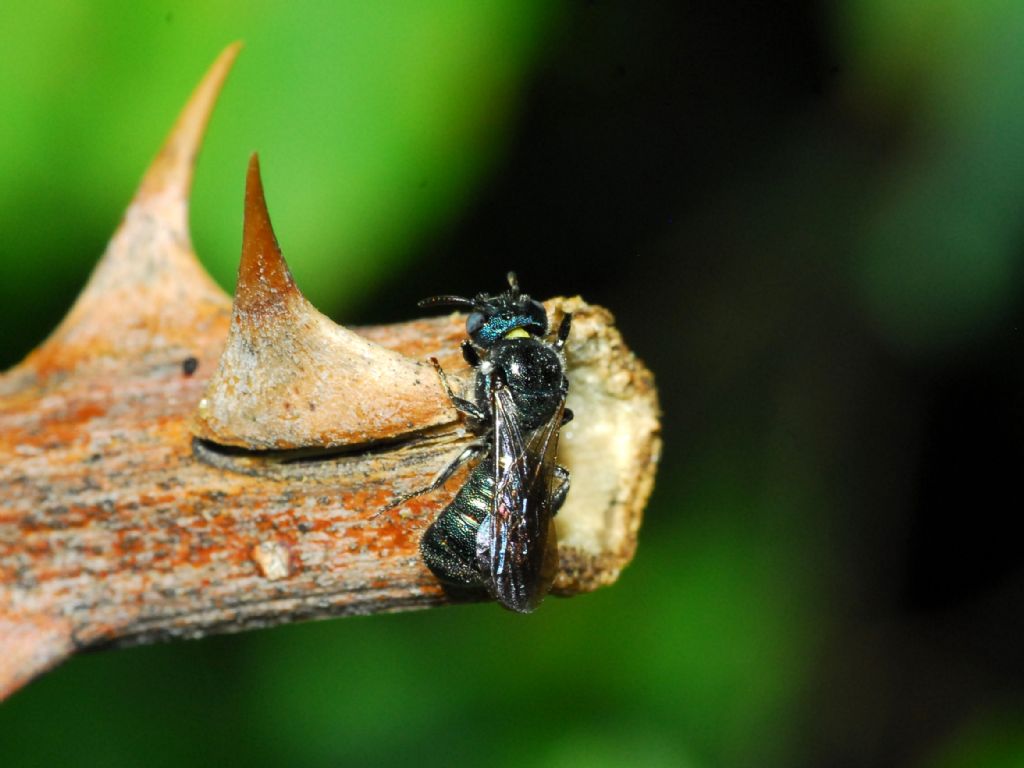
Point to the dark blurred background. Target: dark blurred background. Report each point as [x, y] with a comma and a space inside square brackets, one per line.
[807, 218]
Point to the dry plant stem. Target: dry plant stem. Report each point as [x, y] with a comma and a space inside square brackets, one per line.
[118, 525]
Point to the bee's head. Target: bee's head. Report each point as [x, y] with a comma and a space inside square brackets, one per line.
[508, 315]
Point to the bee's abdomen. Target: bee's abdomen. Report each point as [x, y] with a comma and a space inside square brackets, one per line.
[449, 544]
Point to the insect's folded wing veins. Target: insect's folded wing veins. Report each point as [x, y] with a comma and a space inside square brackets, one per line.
[511, 550]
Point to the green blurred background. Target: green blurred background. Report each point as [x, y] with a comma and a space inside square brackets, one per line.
[807, 218]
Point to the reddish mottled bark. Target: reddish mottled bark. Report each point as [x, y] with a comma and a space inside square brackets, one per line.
[117, 525]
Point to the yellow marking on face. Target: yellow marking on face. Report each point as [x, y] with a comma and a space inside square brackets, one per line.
[517, 333]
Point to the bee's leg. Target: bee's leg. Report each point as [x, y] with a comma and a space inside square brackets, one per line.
[469, 453]
[469, 354]
[470, 409]
[567, 416]
[561, 489]
[563, 330]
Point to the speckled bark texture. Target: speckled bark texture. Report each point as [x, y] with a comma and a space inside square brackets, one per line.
[154, 486]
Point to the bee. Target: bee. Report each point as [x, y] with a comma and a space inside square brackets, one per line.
[498, 533]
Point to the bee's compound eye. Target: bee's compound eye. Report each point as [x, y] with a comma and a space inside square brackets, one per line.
[474, 323]
[538, 315]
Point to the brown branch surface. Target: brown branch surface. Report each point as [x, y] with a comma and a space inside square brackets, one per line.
[118, 525]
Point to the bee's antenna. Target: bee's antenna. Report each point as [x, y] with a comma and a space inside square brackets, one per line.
[451, 301]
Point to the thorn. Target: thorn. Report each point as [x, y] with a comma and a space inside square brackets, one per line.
[148, 295]
[170, 174]
[263, 275]
[289, 377]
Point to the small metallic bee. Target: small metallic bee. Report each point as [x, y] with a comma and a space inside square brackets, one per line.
[498, 532]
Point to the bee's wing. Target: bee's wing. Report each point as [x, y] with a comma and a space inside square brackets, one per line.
[516, 543]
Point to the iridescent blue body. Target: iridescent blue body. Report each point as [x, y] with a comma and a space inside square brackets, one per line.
[498, 532]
